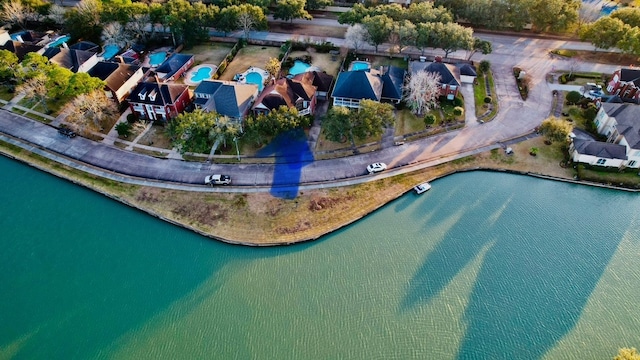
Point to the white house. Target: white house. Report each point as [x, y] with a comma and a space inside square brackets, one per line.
[598, 153]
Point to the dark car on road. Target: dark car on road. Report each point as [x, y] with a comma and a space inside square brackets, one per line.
[67, 132]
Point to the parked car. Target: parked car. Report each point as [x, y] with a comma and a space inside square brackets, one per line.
[376, 167]
[217, 179]
[67, 132]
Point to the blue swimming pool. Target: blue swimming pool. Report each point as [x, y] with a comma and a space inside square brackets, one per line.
[360, 65]
[60, 40]
[110, 51]
[201, 74]
[255, 78]
[157, 58]
[298, 67]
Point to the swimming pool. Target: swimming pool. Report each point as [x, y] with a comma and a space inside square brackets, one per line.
[298, 67]
[359, 65]
[255, 78]
[201, 74]
[59, 41]
[157, 58]
[110, 51]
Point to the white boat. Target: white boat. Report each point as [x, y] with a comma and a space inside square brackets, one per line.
[424, 187]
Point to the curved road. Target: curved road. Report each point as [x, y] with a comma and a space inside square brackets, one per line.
[515, 118]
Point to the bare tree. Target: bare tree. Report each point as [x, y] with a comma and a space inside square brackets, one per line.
[114, 33]
[245, 20]
[421, 91]
[56, 14]
[35, 89]
[356, 36]
[15, 13]
[136, 27]
[90, 11]
[90, 112]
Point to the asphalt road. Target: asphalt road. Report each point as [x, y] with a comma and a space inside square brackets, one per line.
[515, 118]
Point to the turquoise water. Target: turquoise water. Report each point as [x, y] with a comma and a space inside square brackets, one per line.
[157, 58]
[298, 67]
[110, 51]
[201, 74]
[60, 41]
[483, 266]
[255, 78]
[360, 65]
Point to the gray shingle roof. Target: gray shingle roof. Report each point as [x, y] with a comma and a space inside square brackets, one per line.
[165, 94]
[448, 73]
[628, 118]
[114, 74]
[392, 80]
[173, 64]
[600, 149]
[630, 75]
[225, 98]
[68, 58]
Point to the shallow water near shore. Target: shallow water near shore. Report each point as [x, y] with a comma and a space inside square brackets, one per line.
[483, 266]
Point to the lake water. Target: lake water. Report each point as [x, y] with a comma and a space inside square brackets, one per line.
[483, 266]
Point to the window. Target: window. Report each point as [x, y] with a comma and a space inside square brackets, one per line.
[601, 161]
[632, 163]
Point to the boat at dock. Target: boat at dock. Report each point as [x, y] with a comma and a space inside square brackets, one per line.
[424, 187]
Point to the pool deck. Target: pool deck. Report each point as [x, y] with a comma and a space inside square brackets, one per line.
[147, 57]
[192, 71]
[242, 78]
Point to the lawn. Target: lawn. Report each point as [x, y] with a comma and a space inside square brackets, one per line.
[212, 53]
[250, 55]
[377, 61]
[480, 92]
[407, 122]
[156, 137]
[5, 94]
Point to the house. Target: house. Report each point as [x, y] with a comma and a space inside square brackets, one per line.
[85, 46]
[119, 78]
[300, 94]
[20, 49]
[598, 153]
[620, 124]
[384, 84]
[322, 82]
[450, 80]
[173, 67]
[625, 83]
[228, 98]
[74, 60]
[158, 102]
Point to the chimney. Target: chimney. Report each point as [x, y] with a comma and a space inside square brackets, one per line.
[64, 45]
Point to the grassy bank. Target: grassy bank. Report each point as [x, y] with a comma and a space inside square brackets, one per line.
[261, 219]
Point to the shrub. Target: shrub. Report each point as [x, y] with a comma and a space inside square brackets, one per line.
[429, 119]
[132, 118]
[124, 128]
[573, 97]
[485, 65]
[563, 79]
[590, 112]
[487, 99]
[457, 101]
[458, 111]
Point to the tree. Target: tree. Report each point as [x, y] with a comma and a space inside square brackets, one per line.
[379, 28]
[421, 92]
[342, 124]
[136, 29]
[451, 37]
[223, 130]
[114, 33]
[8, 65]
[479, 45]
[83, 83]
[628, 15]
[555, 129]
[318, 4]
[288, 10]
[57, 14]
[553, 15]
[630, 42]
[191, 131]
[425, 12]
[354, 15]
[403, 34]
[35, 89]
[484, 66]
[605, 33]
[228, 19]
[356, 36]
[15, 13]
[91, 112]
[627, 354]
[251, 17]
[273, 67]
[84, 20]
[425, 36]
[58, 81]
[573, 97]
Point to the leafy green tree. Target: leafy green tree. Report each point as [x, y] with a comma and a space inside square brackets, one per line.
[554, 15]
[342, 124]
[8, 65]
[627, 354]
[425, 36]
[451, 37]
[288, 10]
[630, 42]
[84, 20]
[227, 20]
[191, 132]
[479, 45]
[484, 66]
[425, 12]
[403, 34]
[188, 22]
[273, 67]
[604, 33]
[223, 130]
[573, 97]
[83, 83]
[318, 4]
[379, 28]
[354, 15]
[337, 124]
[58, 81]
[251, 17]
[628, 15]
[555, 129]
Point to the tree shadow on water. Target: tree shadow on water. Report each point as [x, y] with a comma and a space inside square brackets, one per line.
[532, 284]
[292, 153]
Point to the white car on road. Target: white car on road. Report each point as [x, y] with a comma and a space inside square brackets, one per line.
[376, 167]
[217, 179]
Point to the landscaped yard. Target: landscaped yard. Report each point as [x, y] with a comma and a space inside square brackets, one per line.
[156, 137]
[211, 53]
[480, 93]
[250, 55]
[321, 60]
